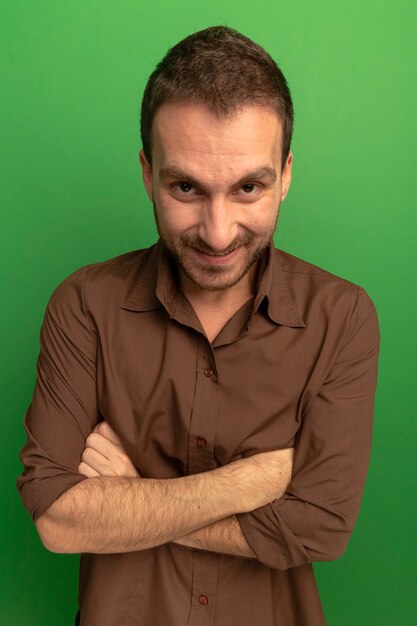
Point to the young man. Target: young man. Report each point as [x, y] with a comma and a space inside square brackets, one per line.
[201, 424]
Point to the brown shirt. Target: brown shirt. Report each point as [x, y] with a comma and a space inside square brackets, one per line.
[295, 366]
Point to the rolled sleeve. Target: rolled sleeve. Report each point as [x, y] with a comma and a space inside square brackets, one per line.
[313, 520]
[63, 410]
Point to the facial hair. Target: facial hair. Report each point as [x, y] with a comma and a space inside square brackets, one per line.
[254, 245]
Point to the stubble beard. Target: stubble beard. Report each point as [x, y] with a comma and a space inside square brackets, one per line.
[213, 277]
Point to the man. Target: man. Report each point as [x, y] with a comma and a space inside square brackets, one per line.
[201, 423]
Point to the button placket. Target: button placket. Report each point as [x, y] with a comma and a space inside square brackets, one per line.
[200, 458]
[204, 411]
[205, 581]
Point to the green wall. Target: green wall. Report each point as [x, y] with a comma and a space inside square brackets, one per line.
[72, 79]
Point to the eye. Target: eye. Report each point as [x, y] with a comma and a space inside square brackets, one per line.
[249, 188]
[181, 188]
[184, 187]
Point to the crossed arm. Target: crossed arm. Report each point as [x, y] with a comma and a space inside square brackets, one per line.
[117, 510]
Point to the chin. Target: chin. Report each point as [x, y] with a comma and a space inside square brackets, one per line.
[215, 281]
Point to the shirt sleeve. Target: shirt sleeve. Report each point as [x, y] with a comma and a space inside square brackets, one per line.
[63, 410]
[313, 520]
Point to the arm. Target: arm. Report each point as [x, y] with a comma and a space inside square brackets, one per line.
[104, 456]
[107, 514]
[63, 410]
[315, 517]
[60, 418]
[224, 536]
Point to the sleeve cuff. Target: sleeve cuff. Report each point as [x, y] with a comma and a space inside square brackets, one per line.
[38, 494]
[271, 540]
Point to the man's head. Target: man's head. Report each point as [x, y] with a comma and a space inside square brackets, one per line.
[213, 153]
[223, 70]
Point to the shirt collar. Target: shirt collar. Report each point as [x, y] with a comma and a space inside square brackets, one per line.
[274, 288]
[142, 297]
[156, 286]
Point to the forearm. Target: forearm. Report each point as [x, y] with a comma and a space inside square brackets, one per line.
[224, 536]
[120, 514]
[109, 514]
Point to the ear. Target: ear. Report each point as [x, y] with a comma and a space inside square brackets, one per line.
[286, 176]
[146, 174]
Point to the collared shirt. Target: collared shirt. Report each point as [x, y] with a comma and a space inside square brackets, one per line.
[294, 366]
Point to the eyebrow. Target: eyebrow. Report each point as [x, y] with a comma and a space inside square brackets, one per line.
[173, 171]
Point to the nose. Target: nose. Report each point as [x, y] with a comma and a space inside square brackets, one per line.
[217, 227]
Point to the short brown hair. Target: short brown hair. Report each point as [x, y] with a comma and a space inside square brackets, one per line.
[224, 70]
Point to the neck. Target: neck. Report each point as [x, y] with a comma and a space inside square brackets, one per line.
[229, 298]
[215, 308]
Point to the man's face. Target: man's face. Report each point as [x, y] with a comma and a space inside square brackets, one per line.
[216, 186]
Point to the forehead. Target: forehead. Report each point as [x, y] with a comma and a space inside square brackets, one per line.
[194, 138]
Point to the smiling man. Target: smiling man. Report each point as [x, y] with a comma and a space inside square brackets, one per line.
[201, 424]
[216, 185]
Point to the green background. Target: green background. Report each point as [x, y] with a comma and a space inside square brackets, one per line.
[73, 73]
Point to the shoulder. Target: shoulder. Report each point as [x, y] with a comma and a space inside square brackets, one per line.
[102, 282]
[314, 288]
[291, 264]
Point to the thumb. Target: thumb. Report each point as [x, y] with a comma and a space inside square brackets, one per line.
[104, 429]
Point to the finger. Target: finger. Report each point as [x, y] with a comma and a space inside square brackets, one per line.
[104, 446]
[103, 428]
[86, 470]
[119, 465]
[98, 462]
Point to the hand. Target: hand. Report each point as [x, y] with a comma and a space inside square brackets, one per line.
[104, 455]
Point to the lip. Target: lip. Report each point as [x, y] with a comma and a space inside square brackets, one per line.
[216, 259]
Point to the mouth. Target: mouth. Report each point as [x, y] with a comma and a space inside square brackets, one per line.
[213, 258]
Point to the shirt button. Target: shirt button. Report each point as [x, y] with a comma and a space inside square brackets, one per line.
[203, 600]
[208, 372]
[201, 442]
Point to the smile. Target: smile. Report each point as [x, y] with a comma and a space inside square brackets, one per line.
[216, 258]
